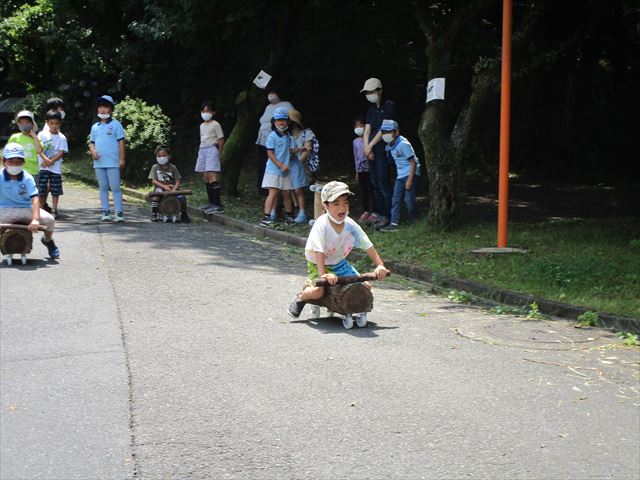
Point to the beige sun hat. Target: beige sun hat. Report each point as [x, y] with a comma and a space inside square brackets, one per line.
[371, 84]
[296, 116]
[333, 190]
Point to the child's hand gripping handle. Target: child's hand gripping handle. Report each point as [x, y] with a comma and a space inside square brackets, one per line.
[18, 226]
[366, 277]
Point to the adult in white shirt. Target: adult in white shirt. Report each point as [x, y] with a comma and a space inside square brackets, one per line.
[274, 95]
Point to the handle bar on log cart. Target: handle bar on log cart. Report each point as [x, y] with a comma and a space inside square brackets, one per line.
[19, 226]
[365, 277]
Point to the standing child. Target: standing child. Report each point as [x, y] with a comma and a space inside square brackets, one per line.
[165, 177]
[54, 103]
[408, 167]
[330, 241]
[362, 169]
[302, 141]
[208, 163]
[276, 173]
[30, 143]
[19, 202]
[107, 150]
[55, 146]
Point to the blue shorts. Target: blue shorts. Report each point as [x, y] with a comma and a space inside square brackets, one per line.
[340, 269]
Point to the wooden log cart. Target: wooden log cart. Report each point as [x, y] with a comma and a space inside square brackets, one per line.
[16, 239]
[348, 297]
[168, 203]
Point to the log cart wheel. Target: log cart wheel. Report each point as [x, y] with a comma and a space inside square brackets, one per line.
[168, 203]
[349, 298]
[16, 239]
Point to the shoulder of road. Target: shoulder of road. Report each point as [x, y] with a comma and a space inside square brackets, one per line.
[435, 280]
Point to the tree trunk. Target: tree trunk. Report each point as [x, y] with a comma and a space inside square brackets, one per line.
[346, 299]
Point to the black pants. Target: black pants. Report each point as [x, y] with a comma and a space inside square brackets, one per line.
[261, 164]
[365, 190]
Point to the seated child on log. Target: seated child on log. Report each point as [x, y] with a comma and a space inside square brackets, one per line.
[165, 177]
[19, 201]
[330, 241]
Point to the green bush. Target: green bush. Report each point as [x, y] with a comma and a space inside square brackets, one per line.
[146, 127]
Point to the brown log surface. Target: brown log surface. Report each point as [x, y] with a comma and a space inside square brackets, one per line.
[13, 240]
[346, 299]
[169, 205]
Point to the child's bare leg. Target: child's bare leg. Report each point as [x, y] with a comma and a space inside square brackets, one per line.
[288, 204]
[270, 200]
[55, 201]
[311, 293]
[367, 284]
[300, 198]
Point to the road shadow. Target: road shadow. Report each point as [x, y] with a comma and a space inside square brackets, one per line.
[333, 325]
[32, 264]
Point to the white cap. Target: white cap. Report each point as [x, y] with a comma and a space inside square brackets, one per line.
[25, 113]
[371, 84]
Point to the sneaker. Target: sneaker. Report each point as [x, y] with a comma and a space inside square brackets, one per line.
[154, 217]
[362, 218]
[288, 219]
[55, 215]
[214, 209]
[46, 207]
[119, 217]
[184, 217]
[106, 216]
[301, 218]
[51, 247]
[392, 227]
[381, 223]
[371, 219]
[295, 309]
[266, 222]
[206, 206]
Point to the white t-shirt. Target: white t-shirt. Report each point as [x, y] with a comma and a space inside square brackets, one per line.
[52, 144]
[210, 133]
[265, 121]
[335, 246]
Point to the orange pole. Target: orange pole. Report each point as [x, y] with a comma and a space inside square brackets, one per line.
[505, 119]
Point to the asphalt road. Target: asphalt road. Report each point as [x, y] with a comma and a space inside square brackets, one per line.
[158, 351]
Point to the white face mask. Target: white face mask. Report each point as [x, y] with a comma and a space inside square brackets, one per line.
[162, 160]
[282, 129]
[387, 137]
[206, 116]
[14, 170]
[372, 97]
[273, 98]
[62, 114]
[339, 222]
[359, 131]
[103, 116]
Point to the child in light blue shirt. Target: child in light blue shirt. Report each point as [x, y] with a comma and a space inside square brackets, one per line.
[107, 149]
[408, 167]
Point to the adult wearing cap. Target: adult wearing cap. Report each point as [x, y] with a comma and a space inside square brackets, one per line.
[274, 96]
[28, 139]
[19, 201]
[380, 109]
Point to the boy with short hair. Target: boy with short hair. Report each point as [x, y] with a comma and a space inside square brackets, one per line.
[408, 167]
[330, 241]
[28, 139]
[19, 202]
[165, 176]
[57, 104]
[55, 146]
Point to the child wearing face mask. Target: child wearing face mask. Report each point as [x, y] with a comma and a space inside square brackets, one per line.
[30, 143]
[275, 98]
[362, 169]
[277, 178]
[208, 163]
[165, 177]
[408, 167]
[333, 236]
[106, 144]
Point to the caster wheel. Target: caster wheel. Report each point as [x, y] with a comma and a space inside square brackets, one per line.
[173, 219]
[23, 258]
[329, 313]
[9, 260]
[347, 322]
[164, 219]
[361, 320]
[315, 311]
